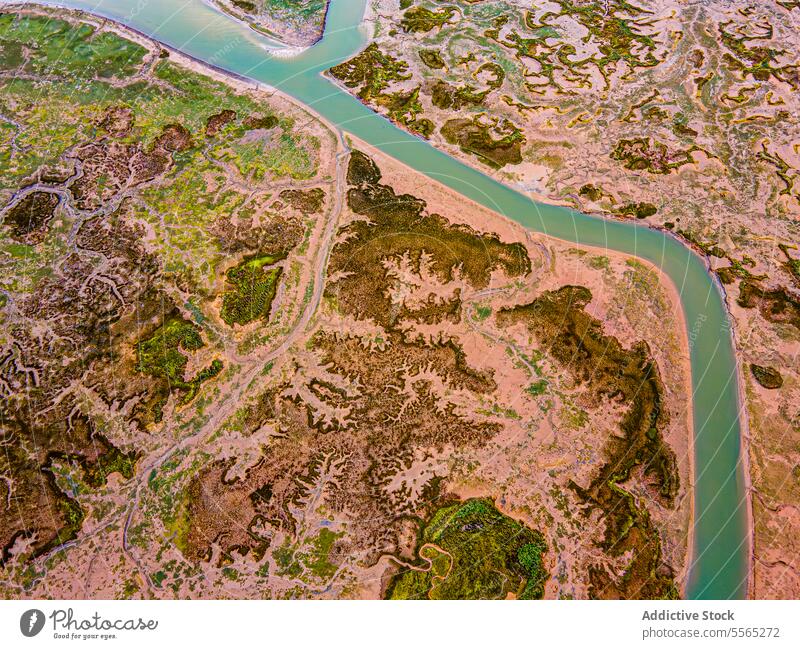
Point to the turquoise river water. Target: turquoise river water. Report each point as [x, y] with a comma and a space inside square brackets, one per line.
[721, 536]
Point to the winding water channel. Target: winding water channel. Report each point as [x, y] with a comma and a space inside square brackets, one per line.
[721, 536]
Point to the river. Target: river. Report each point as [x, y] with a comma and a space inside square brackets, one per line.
[720, 557]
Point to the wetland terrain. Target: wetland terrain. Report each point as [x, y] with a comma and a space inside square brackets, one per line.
[247, 355]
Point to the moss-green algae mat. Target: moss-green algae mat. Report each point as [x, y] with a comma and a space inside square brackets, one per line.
[721, 536]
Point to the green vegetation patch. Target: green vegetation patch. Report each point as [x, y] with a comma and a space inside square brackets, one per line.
[576, 341]
[483, 312]
[473, 551]
[373, 71]
[537, 388]
[73, 516]
[31, 214]
[420, 19]
[361, 169]
[494, 73]
[255, 286]
[309, 559]
[245, 5]
[449, 97]
[476, 138]
[592, 192]
[112, 461]
[109, 459]
[767, 377]
[643, 154]
[398, 226]
[792, 264]
[432, 58]
[776, 305]
[639, 210]
[308, 201]
[46, 46]
[161, 356]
